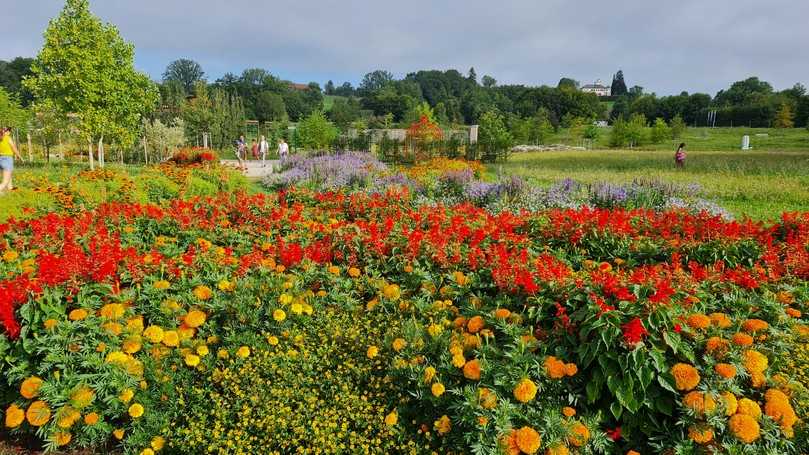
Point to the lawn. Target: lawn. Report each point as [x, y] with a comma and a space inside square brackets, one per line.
[758, 184]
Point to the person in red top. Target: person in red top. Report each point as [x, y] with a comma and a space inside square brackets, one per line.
[255, 149]
[679, 157]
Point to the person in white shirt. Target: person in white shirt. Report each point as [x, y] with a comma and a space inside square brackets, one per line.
[283, 149]
[263, 148]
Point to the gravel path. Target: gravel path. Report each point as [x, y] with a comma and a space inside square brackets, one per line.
[254, 168]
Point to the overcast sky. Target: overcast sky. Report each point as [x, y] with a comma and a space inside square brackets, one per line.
[663, 46]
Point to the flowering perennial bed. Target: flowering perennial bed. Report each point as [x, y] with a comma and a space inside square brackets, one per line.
[366, 323]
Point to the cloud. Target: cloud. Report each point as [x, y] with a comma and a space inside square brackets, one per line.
[666, 47]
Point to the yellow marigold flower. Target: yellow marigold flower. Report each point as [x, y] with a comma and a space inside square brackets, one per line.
[126, 395]
[429, 374]
[171, 338]
[392, 292]
[686, 377]
[279, 315]
[273, 340]
[77, 314]
[392, 418]
[744, 427]
[353, 272]
[203, 292]
[701, 434]
[742, 339]
[717, 347]
[471, 370]
[475, 324]
[754, 325]
[67, 416]
[568, 411]
[117, 357]
[579, 435]
[195, 318]
[434, 330]
[399, 344]
[528, 440]
[442, 425]
[458, 360]
[557, 449]
[136, 410]
[192, 360]
[147, 451]
[720, 320]
[725, 370]
[487, 398]
[112, 327]
[30, 387]
[731, 405]
[38, 413]
[502, 313]
[112, 311]
[161, 285]
[699, 402]
[698, 321]
[554, 367]
[91, 418]
[118, 433]
[10, 255]
[222, 354]
[202, 350]
[372, 352]
[14, 416]
[243, 352]
[50, 324]
[61, 438]
[157, 443]
[132, 344]
[460, 278]
[754, 361]
[437, 389]
[525, 390]
[154, 333]
[135, 325]
[334, 270]
[748, 407]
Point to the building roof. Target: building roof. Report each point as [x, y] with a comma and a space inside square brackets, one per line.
[594, 86]
[299, 86]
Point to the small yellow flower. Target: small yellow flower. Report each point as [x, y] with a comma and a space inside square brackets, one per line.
[243, 352]
[118, 433]
[77, 314]
[354, 272]
[136, 410]
[50, 324]
[10, 255]
[192, 360]
[372, 352]
[161, 285]
[202, 350]
[157, 443]
[273, 340]
[203, 292]
[126, 395]
[437, 389]
[399, 344]
[392, 418]
[279, 315]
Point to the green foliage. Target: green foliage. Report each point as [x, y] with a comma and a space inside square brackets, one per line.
[784, 118]
[678, 127]
[618, 133]
[12, 74]
[660, 131]
[11, 113]
[163, 139]
[315, 132]
[591, 132]
[220, 114]
[344, 111]
[270, 106]
[186, 72]
[86, 68]
[636, 127]
[493, 137]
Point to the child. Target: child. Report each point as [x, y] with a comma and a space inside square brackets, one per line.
[8, 150]
[679, 157]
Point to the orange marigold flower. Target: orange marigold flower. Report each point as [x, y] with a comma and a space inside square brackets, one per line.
[792, 312]
[730, 402]
[442, 425]
[699, 402]
[698, 321]
[61, 438]
[571, 369]
[557, 449]
[399, 344]
[525, 390]
[754, 325]
[717, 347]
[38, 413]
[91, 418]
[744, 427]
[701, 434]
[720, 320]
[475, 324]
[778, 408]
[502, 313]
[30, 387]
[509, 443]
[195, 318]
[579, 435]
[487, 398]
[686, 377]
[203, 292]
[67, 416]
[528, 440]
[77, 314]
[742, 339]
[471, 370]
[14, 416]
[554, 367]
[725, 370]
[754, 361]
[748, 407]
[568, 411]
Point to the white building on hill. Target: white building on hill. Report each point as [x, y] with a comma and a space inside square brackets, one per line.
[598, 88]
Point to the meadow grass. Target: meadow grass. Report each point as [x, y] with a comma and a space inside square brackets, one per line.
[758, 184]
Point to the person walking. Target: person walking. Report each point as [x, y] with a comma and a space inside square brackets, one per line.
[254, 149]
[263, 148]
[241, 152]
[283, 149]
[679, 157]
[8, 150]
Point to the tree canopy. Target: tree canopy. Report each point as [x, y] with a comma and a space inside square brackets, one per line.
[186, 72]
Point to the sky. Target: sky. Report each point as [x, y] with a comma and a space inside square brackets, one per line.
[664, 46]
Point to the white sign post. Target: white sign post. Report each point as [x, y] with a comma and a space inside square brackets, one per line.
[745, 142]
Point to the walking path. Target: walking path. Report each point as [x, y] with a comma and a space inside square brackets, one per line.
[254, 168]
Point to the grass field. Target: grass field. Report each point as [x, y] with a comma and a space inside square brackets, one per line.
[758, 184]
[711, 139]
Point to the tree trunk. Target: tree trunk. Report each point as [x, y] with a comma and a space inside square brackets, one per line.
[101, 152]
[145, 152]
[30, 149]
[90, 154]
[61, 148]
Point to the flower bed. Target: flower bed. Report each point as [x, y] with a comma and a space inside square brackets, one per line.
[367, 322]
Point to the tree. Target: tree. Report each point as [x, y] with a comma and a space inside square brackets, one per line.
[11, 76]
[329, 88]
[162, 138]
[678, 127]
[618, 84]
[784, 118]
[269, 106]
[11, 113]
[344, 111]
[618, 133]
[86, 68]
[488, 81]
[315, 132]
[542, 127]
[591, 133]
[473, 76]
[568, 83]
[636, 127]
[493, 135]
[374, 81]
[660, 131]
[186, 72]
